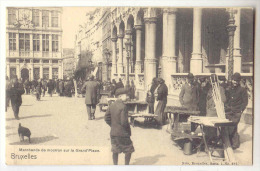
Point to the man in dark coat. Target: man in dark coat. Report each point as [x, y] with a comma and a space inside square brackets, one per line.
[203, 92]
[119, 84]
[117, 118]
[27, 86]
[39, 90]
[91, 88]
[162, 92]
[51, 87]
[16, 90]
[44, 87]
[189, 94]
[61, 87]
[236, 103]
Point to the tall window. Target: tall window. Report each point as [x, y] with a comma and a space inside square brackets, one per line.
[54, 19]
[36, 42]
[55, 43]
[45, 18]
[45, 73]
[24, 42]
[35, 17]
[12, 41]
[11, 16]
[45, 42]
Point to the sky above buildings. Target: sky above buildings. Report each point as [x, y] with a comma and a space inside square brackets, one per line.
[72, 17]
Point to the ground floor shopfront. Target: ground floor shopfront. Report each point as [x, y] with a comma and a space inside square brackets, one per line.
[34, 69]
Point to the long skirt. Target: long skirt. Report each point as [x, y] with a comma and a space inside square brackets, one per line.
[160, 106]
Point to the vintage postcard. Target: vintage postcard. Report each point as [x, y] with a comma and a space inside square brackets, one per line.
[129, 85]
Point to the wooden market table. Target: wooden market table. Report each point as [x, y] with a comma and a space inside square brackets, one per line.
[175, 113]
[136, 106]
[222, 126]
[146, 116]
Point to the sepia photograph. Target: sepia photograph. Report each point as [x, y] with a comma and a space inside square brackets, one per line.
[139, 85]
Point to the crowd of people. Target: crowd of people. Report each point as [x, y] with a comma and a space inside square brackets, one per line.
[195, 95]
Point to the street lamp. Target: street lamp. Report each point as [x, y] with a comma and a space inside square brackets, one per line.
[128, 50]
[107, 56]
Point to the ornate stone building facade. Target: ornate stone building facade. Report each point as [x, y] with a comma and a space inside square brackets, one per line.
[34, 43]
[171, 42]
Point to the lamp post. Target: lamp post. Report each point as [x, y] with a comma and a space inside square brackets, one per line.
[107, 57]
[231, 28]
[128, 50]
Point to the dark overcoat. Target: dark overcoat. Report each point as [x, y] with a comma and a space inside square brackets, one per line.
[92, 90]
[16, 92]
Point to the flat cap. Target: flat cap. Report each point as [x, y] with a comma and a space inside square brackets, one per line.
[202, 79]
[121, 91]
[236, 76]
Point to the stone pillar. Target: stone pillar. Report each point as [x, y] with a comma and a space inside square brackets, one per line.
[150, 50]
[41, 43]
[113, 71]
[41, 69]
[31, 45]
[18, 72]
[169, 64]
[196, 59]
[50, 45]
[237, 55]
[31, 69]
[8, 68]
[138, 62]
[60, 70]
[50, 69]
[120, 58]
[17, 42]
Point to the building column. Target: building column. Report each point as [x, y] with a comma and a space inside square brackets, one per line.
[31, 69]
[169, 64]
[41, 69]
[150, 50]
[50, 69]
[138, 62]
[237, 66]
[120, 58]
[113, 70]
[50, 45]
[7, 42]
[196, 59]
[31, 45]
[18, 72]
[8, 68]
[60, 70]
[17, 43]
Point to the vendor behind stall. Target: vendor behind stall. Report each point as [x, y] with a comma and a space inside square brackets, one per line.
[236, 103]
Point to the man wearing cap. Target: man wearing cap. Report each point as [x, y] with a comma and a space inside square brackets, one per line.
[236, 103]
[91, 88]
[16, 90]
[189, 94]
[117, 118]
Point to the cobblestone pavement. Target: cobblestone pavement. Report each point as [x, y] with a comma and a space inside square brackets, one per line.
[63, 121]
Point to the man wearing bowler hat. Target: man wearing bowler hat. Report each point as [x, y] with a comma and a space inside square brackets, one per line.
[117, 118]
[236, 103]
